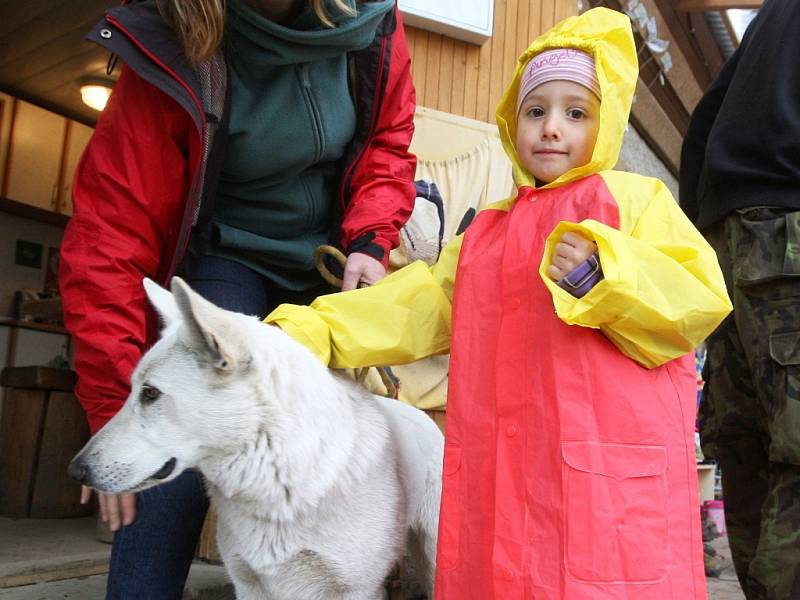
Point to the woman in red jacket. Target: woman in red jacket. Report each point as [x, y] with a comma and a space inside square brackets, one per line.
[227, 163]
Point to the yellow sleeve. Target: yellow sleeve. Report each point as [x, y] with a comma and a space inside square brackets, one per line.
[402, 318]
[662, 292]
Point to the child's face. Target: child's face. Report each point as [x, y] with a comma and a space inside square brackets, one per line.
[557, 128]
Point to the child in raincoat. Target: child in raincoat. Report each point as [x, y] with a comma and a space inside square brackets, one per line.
[571, 311]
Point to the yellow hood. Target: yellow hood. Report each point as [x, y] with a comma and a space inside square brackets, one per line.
[606, 35]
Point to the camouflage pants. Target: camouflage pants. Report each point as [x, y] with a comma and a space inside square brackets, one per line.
[750, 416]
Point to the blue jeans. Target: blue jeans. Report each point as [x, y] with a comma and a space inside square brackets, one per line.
[150, 558]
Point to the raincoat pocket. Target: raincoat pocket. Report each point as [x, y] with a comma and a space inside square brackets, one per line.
[450, 518]
[766, 245]
[615, 510]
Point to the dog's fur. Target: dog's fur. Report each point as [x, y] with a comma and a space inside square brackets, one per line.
[320, 487]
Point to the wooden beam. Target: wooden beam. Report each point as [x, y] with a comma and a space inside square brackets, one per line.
[656, 128]
[683, 80]
[702, 5]
[26, 211]
[686, 40]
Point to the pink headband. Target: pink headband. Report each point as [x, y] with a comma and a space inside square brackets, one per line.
[560, 63]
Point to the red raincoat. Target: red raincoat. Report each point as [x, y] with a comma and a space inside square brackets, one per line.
[556, 481]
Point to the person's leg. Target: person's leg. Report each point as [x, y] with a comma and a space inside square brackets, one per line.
[774, 572]
[766, 287]
[731, 428]
[229, 285]
[744, 468]
[729, 433]
[150, 558]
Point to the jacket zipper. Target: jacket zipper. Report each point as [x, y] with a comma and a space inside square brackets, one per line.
[194, 196]
[312, 212]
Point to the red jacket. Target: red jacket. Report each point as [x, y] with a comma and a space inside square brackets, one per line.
[145, 184]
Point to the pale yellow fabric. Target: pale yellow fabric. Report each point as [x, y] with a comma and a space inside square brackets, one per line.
[423, 383]
[473, 179]
[419, 237]
[663, 291]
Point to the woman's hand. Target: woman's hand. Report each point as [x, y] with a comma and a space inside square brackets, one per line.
[570, 252]
[361, 268]
[116, 510]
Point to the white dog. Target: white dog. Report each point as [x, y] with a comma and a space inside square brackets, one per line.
[321, 488]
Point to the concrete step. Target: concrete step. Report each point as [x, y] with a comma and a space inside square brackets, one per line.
[39, 550]
[206, 582]
[57, 559]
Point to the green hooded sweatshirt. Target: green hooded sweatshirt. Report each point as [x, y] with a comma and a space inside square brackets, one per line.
[291, 120]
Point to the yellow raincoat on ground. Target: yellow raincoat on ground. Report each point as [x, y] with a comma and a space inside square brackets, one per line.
[569, 468]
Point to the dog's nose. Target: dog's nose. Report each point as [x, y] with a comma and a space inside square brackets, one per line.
[78, 471]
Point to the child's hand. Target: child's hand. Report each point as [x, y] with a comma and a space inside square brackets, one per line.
[571, 251]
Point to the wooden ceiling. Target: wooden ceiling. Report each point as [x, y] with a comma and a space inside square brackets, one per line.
[43, 55]
[702, 5]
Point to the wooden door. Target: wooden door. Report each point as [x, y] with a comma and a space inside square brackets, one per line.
[6, 105]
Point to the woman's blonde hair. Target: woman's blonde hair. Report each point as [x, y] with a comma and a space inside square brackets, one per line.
[201, 23]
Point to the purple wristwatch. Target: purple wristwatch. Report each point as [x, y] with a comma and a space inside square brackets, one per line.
[582, 278]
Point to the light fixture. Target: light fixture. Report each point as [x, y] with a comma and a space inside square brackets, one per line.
[95, 93]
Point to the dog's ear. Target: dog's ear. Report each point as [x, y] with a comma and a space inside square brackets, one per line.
[207, 327]
[162, 301]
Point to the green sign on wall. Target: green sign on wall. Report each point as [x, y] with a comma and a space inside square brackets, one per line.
[28, 254]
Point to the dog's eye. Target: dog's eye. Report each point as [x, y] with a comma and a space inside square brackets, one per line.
[149, 394]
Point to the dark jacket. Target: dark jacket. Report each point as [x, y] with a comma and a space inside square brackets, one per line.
[145, 185]
[743, 144]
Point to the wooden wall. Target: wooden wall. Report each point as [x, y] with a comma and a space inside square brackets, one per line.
[468, 80]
